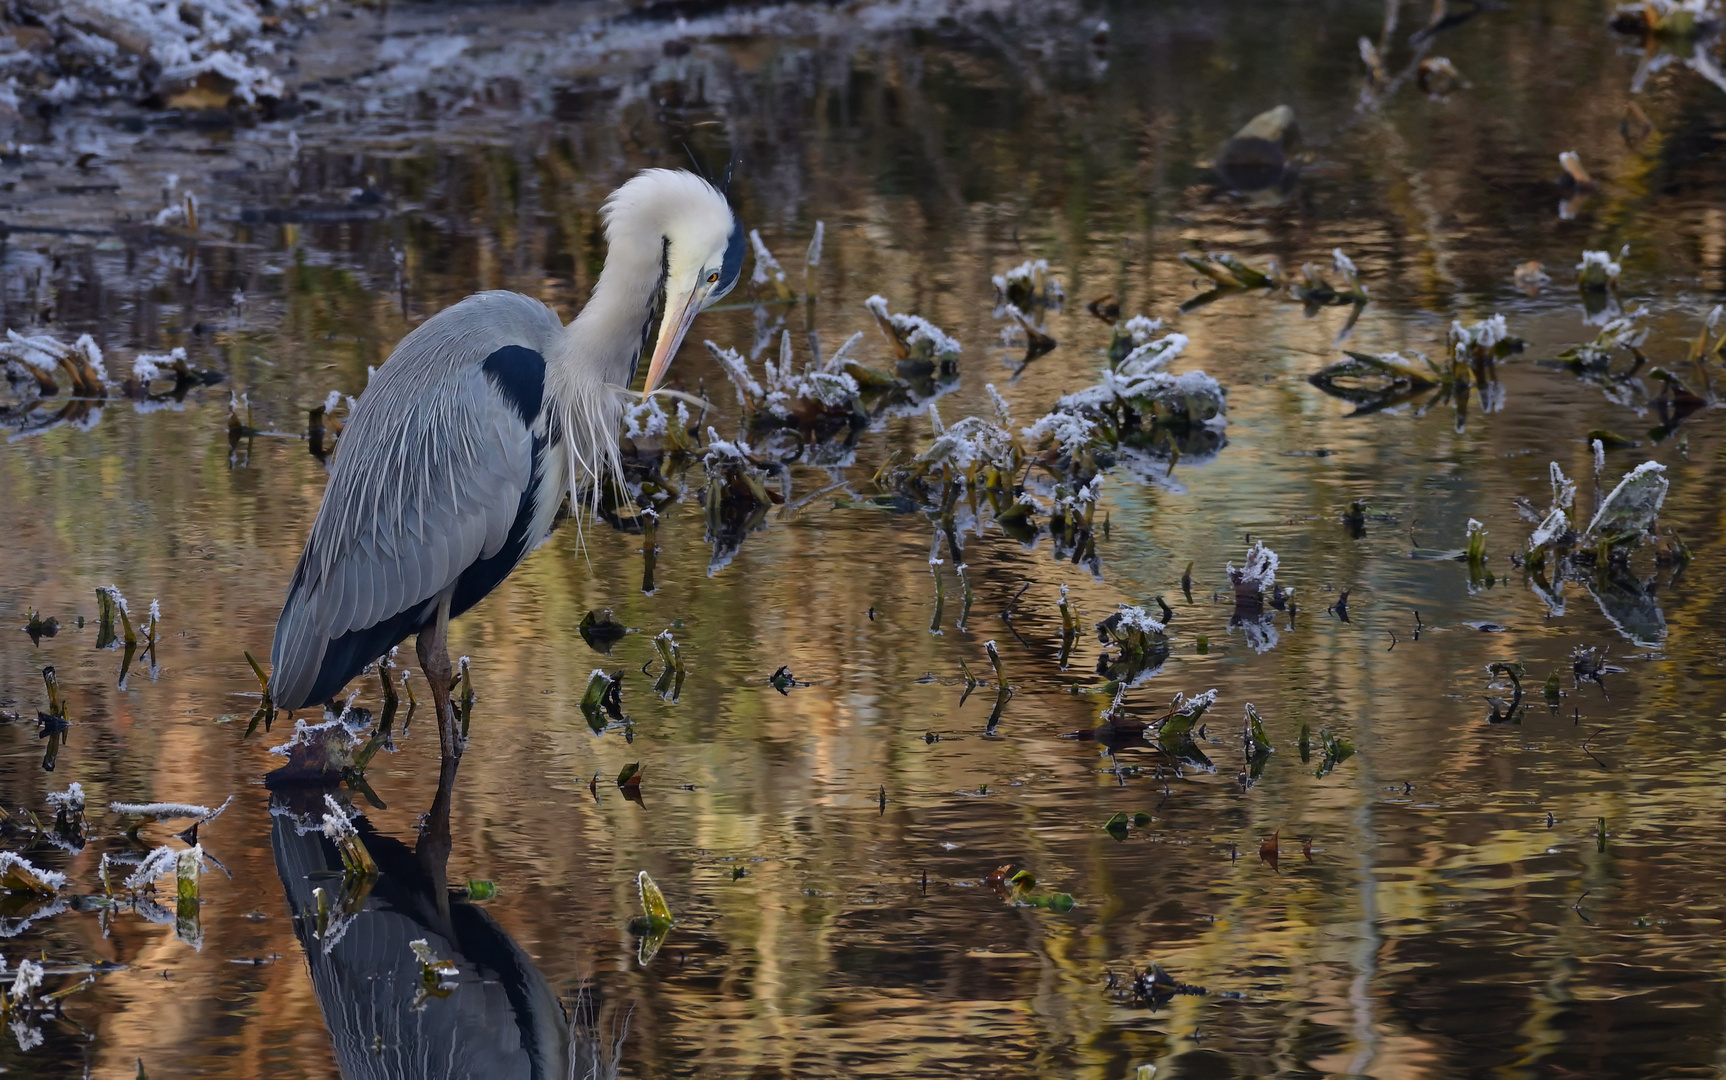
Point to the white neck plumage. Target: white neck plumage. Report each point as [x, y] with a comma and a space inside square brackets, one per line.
[587, 381]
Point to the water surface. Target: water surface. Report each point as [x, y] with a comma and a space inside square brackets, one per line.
[1459, 913]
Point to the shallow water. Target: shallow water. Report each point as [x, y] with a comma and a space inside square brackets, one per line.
[1459, 913]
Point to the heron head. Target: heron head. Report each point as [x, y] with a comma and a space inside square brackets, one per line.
[696, 238]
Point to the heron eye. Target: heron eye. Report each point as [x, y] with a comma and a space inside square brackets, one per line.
[713, 278]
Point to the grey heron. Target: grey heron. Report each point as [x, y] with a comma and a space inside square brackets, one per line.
[460, 451]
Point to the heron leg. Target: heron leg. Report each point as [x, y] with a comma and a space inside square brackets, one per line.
[434, 842]
[433, 649]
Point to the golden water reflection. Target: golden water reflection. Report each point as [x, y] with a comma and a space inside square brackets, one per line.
[1441, 926]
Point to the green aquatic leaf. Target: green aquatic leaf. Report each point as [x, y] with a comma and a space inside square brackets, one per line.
[1175, 733]
[650, 944]
[597, 684]
[655, 921]
[1336, 751]
[653, 901]
[600, 630]
[1261, 744]
[1631, 508]
[1611, 440]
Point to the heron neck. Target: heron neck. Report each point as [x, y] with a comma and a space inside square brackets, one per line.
[599, 352]
[606, 339]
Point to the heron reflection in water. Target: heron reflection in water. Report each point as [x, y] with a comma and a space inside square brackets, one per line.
[459, 454]
[500, 1020]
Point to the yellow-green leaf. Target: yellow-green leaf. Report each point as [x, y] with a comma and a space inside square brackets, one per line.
[653, 901]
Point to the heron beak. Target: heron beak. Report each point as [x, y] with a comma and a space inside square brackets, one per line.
[678, 315]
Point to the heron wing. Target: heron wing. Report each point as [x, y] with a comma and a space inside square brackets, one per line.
[437, 471]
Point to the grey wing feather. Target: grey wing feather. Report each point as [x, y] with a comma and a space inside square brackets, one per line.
[427, 479]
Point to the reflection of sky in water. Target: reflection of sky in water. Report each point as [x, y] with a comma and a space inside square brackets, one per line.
[1437, 929]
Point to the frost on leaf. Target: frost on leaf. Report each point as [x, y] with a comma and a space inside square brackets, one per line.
[1232, 272]
[1316, 286]
[644, 420]
[195, 55]
[18, 874]
[817, 403]
[1029, 284]
[1551, 527]
[1474, 549]
[1258, 625]
[317, 750]
[1150, 356]
[161, 860]
[1175, 730]
[422, 951]
[1624, 332]
[168, 811]
[338, 828]
[1131, 334]
[27, 981]
[43, 361]
[749, 392]
[1484, 342]
[967, 449]
[767, 268]
[1632, 507]
[71, 800]
[338, 825]
[649, 432]
[1563, 488]
[1556, 523]
[1597, 271]
[1137, 409]
[1141, 639]
[912, 336]
[1254, 580]
[1069, 431]
[736, 498]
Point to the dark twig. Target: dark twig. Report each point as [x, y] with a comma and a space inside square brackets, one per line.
[1589, 752]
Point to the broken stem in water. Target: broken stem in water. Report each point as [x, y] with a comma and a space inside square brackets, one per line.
[56, 703]
[466, 697]
[267, 707]
[649, 549]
